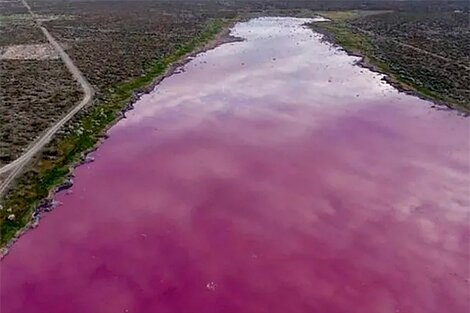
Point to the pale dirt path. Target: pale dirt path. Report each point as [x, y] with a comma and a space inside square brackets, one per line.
[15, 167]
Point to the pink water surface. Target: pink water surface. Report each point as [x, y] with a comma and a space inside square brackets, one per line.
[272, 175]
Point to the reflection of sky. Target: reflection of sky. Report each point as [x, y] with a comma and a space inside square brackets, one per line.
[280, 63]
[282, 73]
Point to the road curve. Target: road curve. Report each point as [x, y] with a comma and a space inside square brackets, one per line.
[15, 167]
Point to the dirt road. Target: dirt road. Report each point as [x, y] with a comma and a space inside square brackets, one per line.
[15, 167]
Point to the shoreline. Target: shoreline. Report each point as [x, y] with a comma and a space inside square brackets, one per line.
[47, 204]
[390, 78]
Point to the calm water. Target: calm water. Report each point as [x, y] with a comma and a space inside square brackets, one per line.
[271, 175]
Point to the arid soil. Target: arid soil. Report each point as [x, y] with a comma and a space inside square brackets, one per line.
[36, 88]
[41, 51]
[34, 94]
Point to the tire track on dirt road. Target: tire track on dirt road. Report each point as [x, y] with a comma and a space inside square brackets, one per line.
[14, 168]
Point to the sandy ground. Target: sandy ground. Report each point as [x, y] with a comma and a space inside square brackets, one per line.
[29, 52]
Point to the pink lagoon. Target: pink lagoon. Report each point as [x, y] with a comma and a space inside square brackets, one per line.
[272, 175]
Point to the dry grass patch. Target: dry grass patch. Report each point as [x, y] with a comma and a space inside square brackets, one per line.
[42, 51]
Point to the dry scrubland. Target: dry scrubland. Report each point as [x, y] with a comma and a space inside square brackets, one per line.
[34, 93]
[120, 46]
